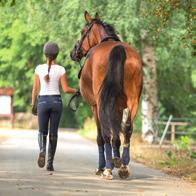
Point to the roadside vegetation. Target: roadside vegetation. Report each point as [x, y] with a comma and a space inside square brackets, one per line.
[178, 159]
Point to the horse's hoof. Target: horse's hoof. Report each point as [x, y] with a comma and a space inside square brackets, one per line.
[99, 171]
[123, 172]
[117, 162]
[107, 174]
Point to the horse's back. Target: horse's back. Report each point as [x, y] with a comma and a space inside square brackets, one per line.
[100, 57]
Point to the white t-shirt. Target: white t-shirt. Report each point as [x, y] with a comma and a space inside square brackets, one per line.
[51, 87]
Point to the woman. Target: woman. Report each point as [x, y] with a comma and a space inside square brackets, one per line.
[47, 77]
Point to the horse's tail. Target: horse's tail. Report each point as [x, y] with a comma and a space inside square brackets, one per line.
[111, 89]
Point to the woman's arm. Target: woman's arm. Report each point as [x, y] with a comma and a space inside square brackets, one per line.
[65, 86]
[35, 89]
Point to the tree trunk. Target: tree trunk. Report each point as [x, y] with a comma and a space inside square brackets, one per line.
[149, 99]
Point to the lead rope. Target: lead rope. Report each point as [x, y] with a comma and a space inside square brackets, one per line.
[75, 95]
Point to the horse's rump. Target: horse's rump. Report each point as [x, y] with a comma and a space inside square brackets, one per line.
[96, 66]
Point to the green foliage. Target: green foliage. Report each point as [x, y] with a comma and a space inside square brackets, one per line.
[183, 143]
[175, 65]
[89, 129]
[137, 125]
[180, 153]
[194, 77]
[172, 160]
[27, 24]
[193, 155]
[7, 2]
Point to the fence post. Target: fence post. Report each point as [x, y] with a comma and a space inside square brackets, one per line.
[172, 133]
[165, 130]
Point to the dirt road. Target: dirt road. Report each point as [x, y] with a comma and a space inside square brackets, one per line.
[75, 162]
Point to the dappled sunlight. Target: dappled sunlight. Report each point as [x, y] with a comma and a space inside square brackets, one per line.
[19, 139]
[71, 181]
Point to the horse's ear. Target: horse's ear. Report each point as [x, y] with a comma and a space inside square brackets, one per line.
[87, 17]
[97, 16]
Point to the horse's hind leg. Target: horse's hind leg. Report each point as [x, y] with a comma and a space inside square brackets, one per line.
[100, 143]
[116, 146]
[107, 174]
[127, 132]
[116, 143]
[116, 151]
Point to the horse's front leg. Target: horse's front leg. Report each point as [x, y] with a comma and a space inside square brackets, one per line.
[100, 143]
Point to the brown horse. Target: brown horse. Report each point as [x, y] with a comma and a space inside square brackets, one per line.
[111, 80]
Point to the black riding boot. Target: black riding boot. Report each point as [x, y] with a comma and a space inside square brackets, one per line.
[51, 152]
[42, 140]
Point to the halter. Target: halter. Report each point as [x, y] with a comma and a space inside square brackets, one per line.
[79, 43]
[86, 34]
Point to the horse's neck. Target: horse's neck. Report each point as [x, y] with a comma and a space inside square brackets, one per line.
[100, 35]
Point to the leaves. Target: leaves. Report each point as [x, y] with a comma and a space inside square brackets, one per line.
[26, 25]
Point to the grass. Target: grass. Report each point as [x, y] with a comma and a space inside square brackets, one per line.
[89, 129]
[171, 161]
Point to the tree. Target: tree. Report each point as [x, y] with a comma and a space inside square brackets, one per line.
[27, 24]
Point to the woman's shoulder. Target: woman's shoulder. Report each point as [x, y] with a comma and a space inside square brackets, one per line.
[39, 66]
[59, 66]
[61, 69]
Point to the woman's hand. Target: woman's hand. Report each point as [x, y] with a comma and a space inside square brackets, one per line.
[78, 92]
[34, 109]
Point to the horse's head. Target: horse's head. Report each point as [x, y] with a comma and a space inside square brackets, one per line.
[87, 40]
[93, 33]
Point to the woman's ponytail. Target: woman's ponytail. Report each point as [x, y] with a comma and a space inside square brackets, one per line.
[47, 77]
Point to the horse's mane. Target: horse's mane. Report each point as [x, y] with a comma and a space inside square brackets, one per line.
[108, 28]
